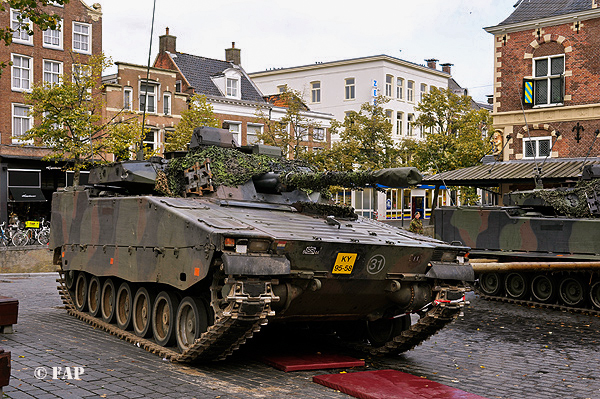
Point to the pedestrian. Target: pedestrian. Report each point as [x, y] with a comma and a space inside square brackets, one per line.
[416, 224]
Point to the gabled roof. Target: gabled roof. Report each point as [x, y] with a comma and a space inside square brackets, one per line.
[199, 70]
[521, 171]
[528, 10]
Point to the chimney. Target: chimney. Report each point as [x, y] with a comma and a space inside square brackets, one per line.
[167, 42]
[432, 63]
[447, 68]
[233, 55]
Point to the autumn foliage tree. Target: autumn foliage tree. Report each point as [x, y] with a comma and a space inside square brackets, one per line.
[199, 113]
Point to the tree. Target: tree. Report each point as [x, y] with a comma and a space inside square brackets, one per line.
[276, 132]
[121, 136]
[70, 115]
[455, 135]
[30, 13]
[199, 113]
[366, 141]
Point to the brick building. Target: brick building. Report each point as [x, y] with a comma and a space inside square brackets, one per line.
[234, 97]
[546, 105]
[124, 96]
[27, 182]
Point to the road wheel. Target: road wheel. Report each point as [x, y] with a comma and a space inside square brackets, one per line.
[385, 329]
[164, 312]
[571, 291]
[543, 288]
[516, 285]
[142, 312]
[124, 306]
[192, 320]
[490, 283]
[70, 279]
[94, 292]
[107, 302]
[595, 294]
[81, 291]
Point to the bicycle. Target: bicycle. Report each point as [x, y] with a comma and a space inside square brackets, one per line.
[5, 239]
[37, 232]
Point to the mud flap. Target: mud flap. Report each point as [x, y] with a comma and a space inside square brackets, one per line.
[444, 271]
[256, 265]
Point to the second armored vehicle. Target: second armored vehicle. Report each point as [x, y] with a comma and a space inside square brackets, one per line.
[210, 262]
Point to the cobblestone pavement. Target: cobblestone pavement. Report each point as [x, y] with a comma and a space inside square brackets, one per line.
[496, 350]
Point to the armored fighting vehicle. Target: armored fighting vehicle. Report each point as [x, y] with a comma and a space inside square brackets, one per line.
[542, 246]
[194, 252]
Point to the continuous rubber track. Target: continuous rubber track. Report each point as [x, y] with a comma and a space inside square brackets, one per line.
[554, 306]
[219, 341]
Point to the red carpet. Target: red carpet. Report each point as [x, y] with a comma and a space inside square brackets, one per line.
[387, 384]
[312, 362]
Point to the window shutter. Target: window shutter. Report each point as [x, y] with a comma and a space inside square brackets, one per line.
[528, 91]
[562, 88]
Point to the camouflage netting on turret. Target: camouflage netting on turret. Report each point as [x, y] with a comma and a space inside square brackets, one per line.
[229, 167]
[572, 203]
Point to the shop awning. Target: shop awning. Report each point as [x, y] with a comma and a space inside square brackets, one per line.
[26, 194]
[522, 171]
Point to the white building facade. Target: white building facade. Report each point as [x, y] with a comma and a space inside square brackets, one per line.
[342, 86]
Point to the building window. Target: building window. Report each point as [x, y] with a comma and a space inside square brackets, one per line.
[388, 115]
[53, 38]
[21, 73]
[423, 90]
[81, 71]
[363, 204]
[389, 80]
[350, 92]
[82, 37]
[252, 134]
[410, 88]
[399, 118]
[21, 121]
[411, 121]
[167, 103]
[178, 86]
[318, 134]
[148, 96]
[232, 87]
[281, 89]
[127, 98]
[315, 89]
[548, 79]
[399, 88]
[20, 26]
[151, 140]
[236, 129]
[52, 72]
[537, 147]
[301, 132]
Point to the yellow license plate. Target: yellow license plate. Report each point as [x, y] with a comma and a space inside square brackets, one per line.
[32, 225]
[344, 263]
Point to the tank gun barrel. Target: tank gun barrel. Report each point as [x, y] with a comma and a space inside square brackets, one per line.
[316, 181]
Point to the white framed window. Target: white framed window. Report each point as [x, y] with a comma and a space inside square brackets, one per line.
[389, 81]
[252, 133]
[302, 132]
[167, 103]
[388, 115]
[148, 92]
[536, 147]
[409, 124]
[21, 122]
[423, 90]
[548, 79]
[53, 70]
[318, 134]
[363, 202]
[410, 90]
[236, 129]
[151, 140]
[20, 28]
[281, 89]
[178, 86]
[349, 89]
[400, 88]
[315, 92]
[127, 98]
[21, 72]
[233, 87]
[399, 120]
[53, 38]
[82, 37]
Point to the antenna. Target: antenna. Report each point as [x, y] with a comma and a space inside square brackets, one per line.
[140, 151]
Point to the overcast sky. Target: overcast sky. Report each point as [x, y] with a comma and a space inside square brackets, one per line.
[276, 33]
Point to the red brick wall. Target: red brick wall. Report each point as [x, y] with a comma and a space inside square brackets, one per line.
[75, 10]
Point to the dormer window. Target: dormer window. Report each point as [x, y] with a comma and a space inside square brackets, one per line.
[232, 87]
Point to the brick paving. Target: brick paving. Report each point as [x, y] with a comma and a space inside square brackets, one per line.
[496, 350]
